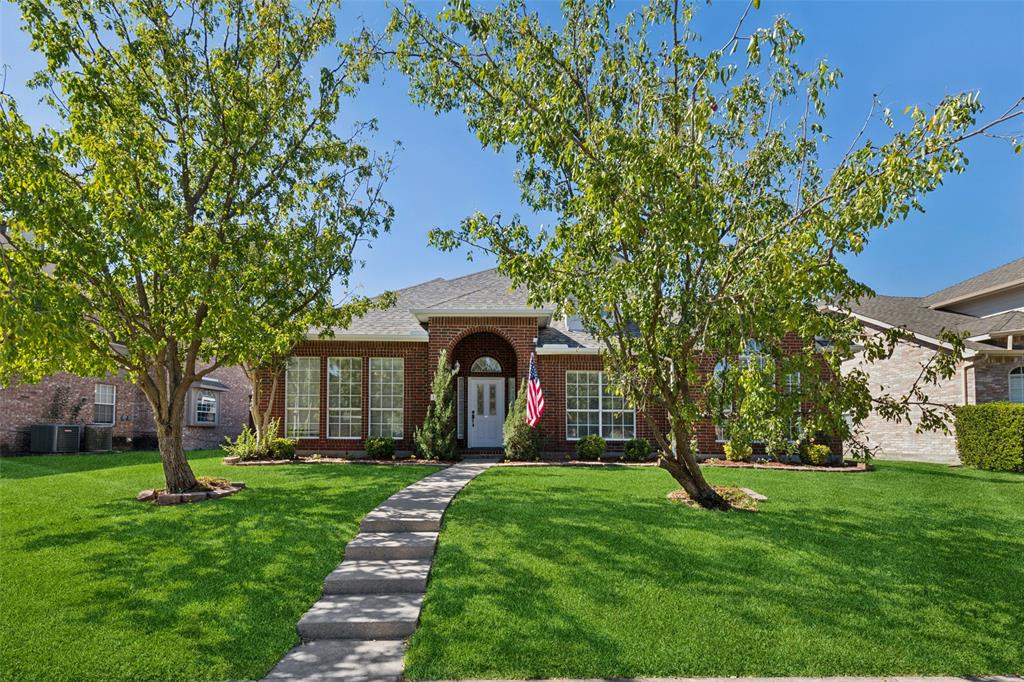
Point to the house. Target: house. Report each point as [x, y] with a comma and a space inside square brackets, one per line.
[373, 378]
[218, 407]
[988, 310]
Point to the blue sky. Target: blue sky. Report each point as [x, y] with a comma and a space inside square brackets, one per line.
[907, 52]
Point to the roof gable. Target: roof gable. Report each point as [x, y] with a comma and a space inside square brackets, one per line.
[994, 280]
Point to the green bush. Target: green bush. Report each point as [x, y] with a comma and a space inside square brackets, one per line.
[436, 438]
[738, 450]
[815, 454]
[245, 446]
[637, 450]
[522, 443]
[590, 447]
[282, 448]
[380, 448]
[991, 436]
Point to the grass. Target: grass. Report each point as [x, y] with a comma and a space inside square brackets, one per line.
[586, 573]
[96, 586]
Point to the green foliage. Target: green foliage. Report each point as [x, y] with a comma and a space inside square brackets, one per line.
[282, 448]
[688, 173]
[522, 442]
[738, 450]
[380, 448]
[436, 438]
[197, 199]
[637, 450]
[815, 454]
[245, 446]
[991, 436]
[590, 447]
[248, 445]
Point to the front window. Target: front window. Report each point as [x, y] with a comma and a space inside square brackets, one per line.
[344, 397]
[302, 398]
[106, 398]
[486, 365]
[1017, 385]
[591, 408]
[387, 397]
[206, 407]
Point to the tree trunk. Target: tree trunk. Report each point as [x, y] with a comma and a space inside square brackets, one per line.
[262, 418]
[693, 482]
[177, 472]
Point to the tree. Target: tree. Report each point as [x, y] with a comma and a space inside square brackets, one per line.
[693, 212]
[522, 441]
[436, 438]
[195, 205]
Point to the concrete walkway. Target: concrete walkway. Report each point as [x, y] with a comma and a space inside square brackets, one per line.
[371, 602]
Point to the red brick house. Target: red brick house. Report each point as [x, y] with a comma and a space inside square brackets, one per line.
[373, 378]
[218, 407]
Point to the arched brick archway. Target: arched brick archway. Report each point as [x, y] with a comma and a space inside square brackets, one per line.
[476, 345]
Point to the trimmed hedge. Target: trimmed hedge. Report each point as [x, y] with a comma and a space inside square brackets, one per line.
[991, 436]
[591, 447]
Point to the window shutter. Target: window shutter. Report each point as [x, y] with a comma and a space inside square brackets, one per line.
[460, 407]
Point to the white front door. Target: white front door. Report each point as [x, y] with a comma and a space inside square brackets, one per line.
[486, 412]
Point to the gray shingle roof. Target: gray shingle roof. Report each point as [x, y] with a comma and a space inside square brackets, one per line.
[993, 279]
[913, 314]
[480, 291]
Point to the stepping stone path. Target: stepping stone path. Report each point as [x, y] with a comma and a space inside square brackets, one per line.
[371, 601]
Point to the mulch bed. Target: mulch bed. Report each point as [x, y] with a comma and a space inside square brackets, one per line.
[738, 498]
[846, 466]
[209, 488]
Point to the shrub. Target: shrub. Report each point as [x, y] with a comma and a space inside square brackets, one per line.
[816, 454]
[436, 438]
[522, 443]
[738, 450]
[380, 448]
[245, 446]
[282, 448]
[637, 450]
[991, 436]
[590, 447]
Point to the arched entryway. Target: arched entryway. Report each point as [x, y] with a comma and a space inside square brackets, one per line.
[486, 383]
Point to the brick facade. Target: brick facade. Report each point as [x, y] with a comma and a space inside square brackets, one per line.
[509, 340]
[990, 379]
[57, 397]
[894, 376]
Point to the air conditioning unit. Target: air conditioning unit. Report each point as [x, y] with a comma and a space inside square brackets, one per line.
[55, 437]
[99, 438]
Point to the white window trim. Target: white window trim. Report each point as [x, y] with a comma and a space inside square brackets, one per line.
[1016, 371]
[194, 411]
[113, 404]
[600, 407]
[319, 365]
[369, 393]
[328, 406]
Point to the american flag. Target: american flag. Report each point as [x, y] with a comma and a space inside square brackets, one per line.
[534, 394]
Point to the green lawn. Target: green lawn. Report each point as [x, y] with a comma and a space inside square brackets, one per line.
[96, 586]
[592, 574]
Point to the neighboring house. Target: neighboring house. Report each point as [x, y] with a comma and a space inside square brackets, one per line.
[218, 407]
[989, 311]
[373, 378]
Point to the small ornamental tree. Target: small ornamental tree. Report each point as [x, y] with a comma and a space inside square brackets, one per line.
[436, 438]
[196, 204]
[692, 211]
[521, 441]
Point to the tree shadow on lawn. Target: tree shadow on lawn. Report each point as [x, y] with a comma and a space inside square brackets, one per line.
[225, 581]
[598, 581]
